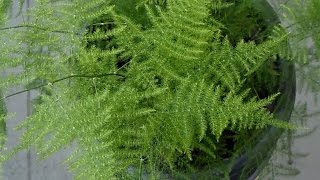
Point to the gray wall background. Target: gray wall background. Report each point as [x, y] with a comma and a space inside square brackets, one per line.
[25, 165]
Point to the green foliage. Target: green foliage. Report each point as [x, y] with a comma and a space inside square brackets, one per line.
[4, 6]
[2, 130]
[241, 20]
[303, 26]
[2, 123]
[303, 21]
[182, 82]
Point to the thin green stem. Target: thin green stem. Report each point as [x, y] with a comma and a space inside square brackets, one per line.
[55, 31]
[64, 78]
[34, 27]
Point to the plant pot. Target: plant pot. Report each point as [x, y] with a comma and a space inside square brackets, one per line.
[256, 154]
[242, 164]
[249, 164]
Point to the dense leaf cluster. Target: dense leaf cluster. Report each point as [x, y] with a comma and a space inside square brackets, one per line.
[180, 80]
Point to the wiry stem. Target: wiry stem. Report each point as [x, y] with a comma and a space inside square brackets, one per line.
[55, 31]
[35, 27]
[64, 78]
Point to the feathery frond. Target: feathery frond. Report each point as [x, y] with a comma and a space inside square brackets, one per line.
[183, 82]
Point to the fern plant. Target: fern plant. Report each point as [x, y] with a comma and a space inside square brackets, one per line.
[138, 86]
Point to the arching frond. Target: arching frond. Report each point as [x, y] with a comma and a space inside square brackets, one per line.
[181, 82]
